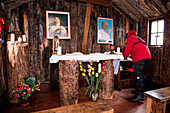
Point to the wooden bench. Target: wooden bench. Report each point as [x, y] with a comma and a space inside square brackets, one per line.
[87, 107]
[156, 100]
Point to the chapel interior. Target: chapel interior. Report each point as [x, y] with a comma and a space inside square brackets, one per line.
[29, 48]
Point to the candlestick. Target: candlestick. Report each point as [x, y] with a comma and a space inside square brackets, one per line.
[24, 38]
[59, 50]
[118, 50]
[19, 39]
[12, 37]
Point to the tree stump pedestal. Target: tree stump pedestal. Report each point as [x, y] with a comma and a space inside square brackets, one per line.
[68, 82]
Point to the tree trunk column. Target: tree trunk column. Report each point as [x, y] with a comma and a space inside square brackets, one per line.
[107, 82]
[17, 64]
[68, 82]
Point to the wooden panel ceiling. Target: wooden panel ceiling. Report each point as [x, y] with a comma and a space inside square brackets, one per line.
[134, 10]
[141, 9]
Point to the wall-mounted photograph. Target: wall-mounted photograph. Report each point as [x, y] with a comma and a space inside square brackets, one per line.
[105, 30]
[58, 23]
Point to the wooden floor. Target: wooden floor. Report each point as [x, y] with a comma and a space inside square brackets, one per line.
[41, 101]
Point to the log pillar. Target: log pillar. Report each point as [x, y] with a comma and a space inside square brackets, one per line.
[107, 82]
[2, 74]
[68, 82]
[17, 63]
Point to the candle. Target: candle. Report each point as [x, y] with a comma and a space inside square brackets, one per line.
[24, 38]
[59, 50]
[118, 50]
[19, 39]
[12, 37]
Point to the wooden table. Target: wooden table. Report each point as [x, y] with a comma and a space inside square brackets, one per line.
[156, 100]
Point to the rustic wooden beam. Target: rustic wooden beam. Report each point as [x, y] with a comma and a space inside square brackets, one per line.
[127, 26]
[97, 2]
[153, 8]
[86, 27]
[11, 4]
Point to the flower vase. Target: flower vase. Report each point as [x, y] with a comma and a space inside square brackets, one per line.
[24, 103]
[94, 97]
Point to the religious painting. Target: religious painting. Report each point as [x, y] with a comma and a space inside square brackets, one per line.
[58, 23]
[105, 28]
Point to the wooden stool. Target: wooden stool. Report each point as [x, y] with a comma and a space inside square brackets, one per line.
[87, 107]
[156, 100]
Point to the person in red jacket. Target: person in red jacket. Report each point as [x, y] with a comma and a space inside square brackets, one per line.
[137, 49]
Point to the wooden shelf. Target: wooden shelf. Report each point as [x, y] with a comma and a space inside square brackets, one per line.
[23, 44]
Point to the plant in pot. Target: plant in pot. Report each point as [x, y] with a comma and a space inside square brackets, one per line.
[93, 77]
[25, 89]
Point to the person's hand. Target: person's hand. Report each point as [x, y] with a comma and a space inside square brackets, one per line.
[108, 32]
[55, 28]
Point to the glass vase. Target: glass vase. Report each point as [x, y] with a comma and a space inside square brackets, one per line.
[94, 97]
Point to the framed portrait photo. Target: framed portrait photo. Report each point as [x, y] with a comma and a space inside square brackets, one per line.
[58, 23]
[105, 30]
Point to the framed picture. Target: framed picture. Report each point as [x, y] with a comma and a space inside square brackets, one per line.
[105, 30]
[58, 23]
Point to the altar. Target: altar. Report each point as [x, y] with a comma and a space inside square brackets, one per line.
[69, 75]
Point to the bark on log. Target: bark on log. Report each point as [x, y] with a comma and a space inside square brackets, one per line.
[107, 82]
[17, 63]
[2, 74]
[68, 82]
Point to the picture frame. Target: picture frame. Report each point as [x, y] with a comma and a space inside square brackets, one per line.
[105, 28]
[58, 23]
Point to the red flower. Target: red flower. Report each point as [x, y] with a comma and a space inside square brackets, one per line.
[16, 89]
[22, 94]
[102, 73]
[17, 95]
[20, 88]
[29, 91]
[103, 70]
[102, 67]
[19, 85]
[25, 87]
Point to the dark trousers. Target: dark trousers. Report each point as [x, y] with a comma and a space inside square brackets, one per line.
[139, 74]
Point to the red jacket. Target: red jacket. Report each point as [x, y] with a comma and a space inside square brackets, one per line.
[139, 51]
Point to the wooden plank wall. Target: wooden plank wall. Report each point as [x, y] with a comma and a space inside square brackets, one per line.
[159, 67]
[31, 21]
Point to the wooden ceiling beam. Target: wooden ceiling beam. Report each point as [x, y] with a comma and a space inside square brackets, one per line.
[11, 4]
[97, 2]
[153, 8]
